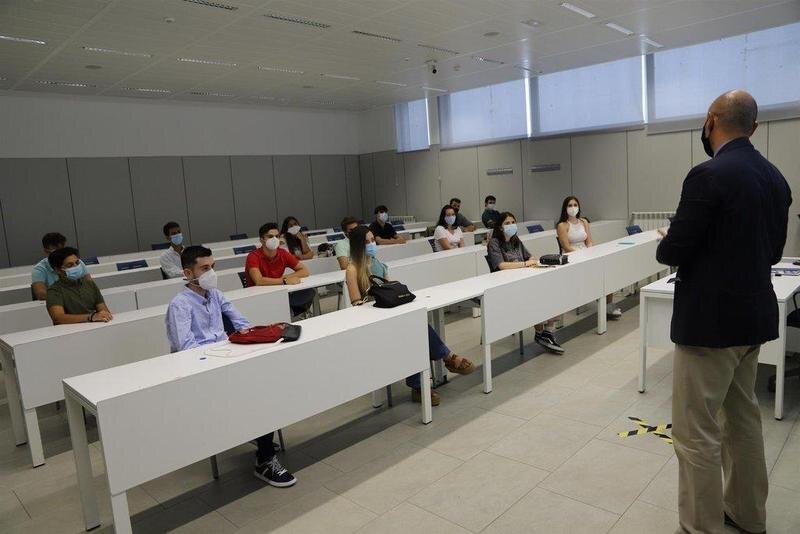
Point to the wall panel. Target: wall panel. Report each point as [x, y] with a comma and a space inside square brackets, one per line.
[657, 165]
[600, 175]
[366, 167]
[253, 192]
[355, 205]
[784, 154]
[390, 187]
[423, 188]
[159, 195]
[459, 171]
[294, 189]
[209, 197]
[329, 177]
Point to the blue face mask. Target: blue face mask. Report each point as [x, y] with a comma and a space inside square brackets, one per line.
[371, 249]
[176, 239]
[77, 272]
[510, 229]
[450, 219]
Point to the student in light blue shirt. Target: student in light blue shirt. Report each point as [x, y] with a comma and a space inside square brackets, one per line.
[43, 275]
[195, 318]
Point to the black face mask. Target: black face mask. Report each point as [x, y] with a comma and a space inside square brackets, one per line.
[706, 142]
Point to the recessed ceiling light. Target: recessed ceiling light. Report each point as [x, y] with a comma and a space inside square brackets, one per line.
[169, 20]
[482, 59]
[64, 84]
[117, 52]
[207, 62]
[378, 36]
[398, 84]
[649, 41]
[208, 93]
[578, 10]
[146, 90]
[285, 70]
[491, 34]
[262, 97]
[324, 102]
[439, 49]
[217, 5]
[298, 20]
[339, 77]
[426, 88]
[22, 40]
[533, 23]
[307, 86]
[94, 67]
[620, 29]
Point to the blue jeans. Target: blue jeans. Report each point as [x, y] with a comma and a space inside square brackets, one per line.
[436, 351]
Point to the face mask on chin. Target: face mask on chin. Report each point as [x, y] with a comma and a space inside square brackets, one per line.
[706, 141]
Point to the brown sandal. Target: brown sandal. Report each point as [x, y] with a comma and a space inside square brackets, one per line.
[465, 367]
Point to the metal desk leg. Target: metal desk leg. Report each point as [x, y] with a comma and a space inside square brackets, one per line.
[316, 305]
[521, 344]
[602, 320]
[780, 365]
[122, 516]
[83, 463]
[643, 302]
[14, 402]
[377, 398]
[214, 467]
[34, 437]
[425, 392]
[439, 373]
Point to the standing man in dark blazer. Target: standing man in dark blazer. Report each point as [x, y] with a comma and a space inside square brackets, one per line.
[729, 229]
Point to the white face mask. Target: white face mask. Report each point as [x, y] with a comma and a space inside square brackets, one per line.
[572, 211]
[272, 243]
[294, 230]
[490, 206]
[383, 217]
[207, 280]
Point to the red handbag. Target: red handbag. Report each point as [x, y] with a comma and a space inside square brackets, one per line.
[267, 334]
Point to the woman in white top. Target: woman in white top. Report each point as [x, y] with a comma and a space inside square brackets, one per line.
[447, 235]
[574, 233]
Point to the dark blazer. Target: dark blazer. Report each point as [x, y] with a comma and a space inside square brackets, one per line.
[729, 229]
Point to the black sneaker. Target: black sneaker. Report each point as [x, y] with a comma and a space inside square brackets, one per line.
[548, 341]
[274, 474]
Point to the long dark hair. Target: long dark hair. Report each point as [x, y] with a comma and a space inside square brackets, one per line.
[358, 257]
[292, 241]
[441, 221]
[497, 232]
[564, 215]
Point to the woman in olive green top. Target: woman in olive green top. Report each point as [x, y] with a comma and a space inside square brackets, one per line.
[74, 298]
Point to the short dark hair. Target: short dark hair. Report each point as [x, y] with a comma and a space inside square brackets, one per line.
[53, 239]
[266, 227]
[455, 199]
[488, 198]
[381, 209]
[347, 221]
[190, 254]
[57, 257]
[169, 226]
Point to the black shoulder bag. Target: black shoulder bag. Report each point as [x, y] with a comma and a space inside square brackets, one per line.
[389, 294]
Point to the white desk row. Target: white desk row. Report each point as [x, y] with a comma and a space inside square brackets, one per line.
[655, 318]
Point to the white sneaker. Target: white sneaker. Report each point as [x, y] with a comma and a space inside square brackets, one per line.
[615, 314]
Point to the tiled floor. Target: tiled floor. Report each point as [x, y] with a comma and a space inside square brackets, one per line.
[540, 454]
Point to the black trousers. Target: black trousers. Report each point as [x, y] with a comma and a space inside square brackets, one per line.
[265, 450]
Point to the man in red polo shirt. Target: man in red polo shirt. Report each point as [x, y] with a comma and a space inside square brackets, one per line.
[266, 266]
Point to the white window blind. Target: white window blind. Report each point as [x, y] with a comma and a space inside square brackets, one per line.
[411, 124]
[593, 97]
[484, 114]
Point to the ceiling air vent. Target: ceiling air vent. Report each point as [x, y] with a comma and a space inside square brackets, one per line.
[378, 36]
[482, 59]
[216, 5]
[298, 20]
[439, 49]
[207, 93]
[65, 84]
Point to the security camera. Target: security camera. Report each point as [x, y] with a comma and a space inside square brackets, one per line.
[434, 68]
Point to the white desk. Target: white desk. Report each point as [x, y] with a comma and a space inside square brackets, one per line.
[35, 361]
[159, 415]
[655, 318]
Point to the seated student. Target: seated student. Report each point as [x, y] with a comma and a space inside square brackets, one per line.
[491, 216]
[170, 259]
[363, 263]
[447, 234]
[74, 297]
[43, 276]
[382, 229]
[195, 318]
[342, 246]
[461, 221]
[265, 266]
[506, 251]
[296, 241]
[574, 234]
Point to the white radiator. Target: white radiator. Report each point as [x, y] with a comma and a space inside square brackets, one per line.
[650, 220]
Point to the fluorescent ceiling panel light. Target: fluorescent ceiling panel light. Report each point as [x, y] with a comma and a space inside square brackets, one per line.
[439, 49]
[64, 84]
[578, 10]
[217, 5]
[324, 102]
[652, 43]
[207, 62]
[207, 93]
[397, 84]
[620, 29]
[298, 20]
[260, 97]
[117, 52]
[147, 90]
[339, 77]
[426, 88]
[22, 40]
[378, 36]
[285, 70]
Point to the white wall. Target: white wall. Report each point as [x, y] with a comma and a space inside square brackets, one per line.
[376, 131]
[33, 125]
